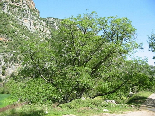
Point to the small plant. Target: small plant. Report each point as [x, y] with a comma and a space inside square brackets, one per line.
[3, 70]
[1, 79]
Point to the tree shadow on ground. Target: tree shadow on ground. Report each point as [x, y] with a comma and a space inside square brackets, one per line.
[139, 100]
[150, 102]
[13, 112]
[136, 100]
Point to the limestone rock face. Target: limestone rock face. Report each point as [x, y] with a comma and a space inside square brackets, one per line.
[30, 3]
[25, 14]
[53, 22]
[24, 11]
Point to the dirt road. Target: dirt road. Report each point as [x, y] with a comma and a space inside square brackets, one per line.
[147, 109]
[135, 113]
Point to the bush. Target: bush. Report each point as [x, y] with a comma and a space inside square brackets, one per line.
[32, 91]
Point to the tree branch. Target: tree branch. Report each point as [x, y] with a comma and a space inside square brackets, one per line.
[94, 69]
[48, 81]
[110, 92]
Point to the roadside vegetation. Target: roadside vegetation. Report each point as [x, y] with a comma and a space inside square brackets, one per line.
[78, 107]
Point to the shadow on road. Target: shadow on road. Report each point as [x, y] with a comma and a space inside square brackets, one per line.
[137, 100]
[150, 104]
[143, 102]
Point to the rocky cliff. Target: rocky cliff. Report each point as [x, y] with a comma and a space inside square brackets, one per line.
[23, 14]
[21, 3]
[27, 14]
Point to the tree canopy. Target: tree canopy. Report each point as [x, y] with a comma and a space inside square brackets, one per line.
[86, 56]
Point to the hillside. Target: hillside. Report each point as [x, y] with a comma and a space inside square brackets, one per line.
[20, 20]
[26, 14]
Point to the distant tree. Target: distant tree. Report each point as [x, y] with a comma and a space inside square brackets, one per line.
[152, 43]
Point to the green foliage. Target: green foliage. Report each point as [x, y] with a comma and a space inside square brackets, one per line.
[152, 43]
[28, 91]
[4, 88]
[3, 70]
[96, 45]
[85, 56]
[1, 79]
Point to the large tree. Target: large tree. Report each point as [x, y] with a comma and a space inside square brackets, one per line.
[85, 56]
[91, 48]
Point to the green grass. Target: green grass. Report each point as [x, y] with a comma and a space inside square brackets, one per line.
[2, 99]
[79, 107]
[6, 100]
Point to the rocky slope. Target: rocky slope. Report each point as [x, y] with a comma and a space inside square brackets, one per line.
[29, 3]
[21, 19]
[27, 14]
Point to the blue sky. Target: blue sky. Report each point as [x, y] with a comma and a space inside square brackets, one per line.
[140, 12]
